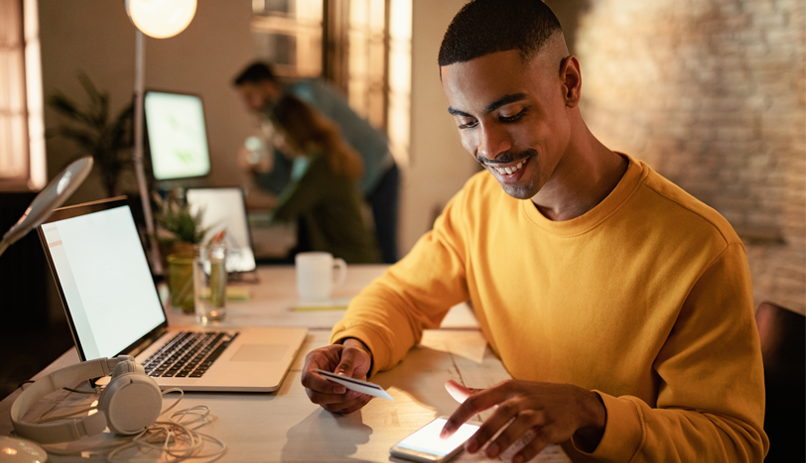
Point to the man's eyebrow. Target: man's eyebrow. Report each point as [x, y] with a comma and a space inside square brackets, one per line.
[503, 101]
[455, 112]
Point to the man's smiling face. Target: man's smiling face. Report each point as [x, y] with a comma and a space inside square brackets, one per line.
[511, 116]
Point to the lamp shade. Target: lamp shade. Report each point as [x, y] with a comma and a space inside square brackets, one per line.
[52, 196]
[161, 18]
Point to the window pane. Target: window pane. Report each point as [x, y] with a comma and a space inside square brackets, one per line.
[13, 151]
[288, 34]
[367, 60]
[266, 7]
[10, 33]
[400, 79]
[15, 161]
[37, 168]
[16, 86]
[5, 77]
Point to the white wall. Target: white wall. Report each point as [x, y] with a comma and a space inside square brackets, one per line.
[439, 165]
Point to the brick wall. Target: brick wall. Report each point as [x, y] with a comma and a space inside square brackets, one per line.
[712, 94]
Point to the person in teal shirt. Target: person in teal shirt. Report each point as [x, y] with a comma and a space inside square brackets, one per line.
[260, 90]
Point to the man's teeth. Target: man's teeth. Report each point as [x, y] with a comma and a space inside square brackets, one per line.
[509, 170]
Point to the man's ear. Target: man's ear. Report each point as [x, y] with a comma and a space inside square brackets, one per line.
[571, 77]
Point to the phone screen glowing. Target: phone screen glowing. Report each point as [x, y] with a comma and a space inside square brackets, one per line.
[427, 439]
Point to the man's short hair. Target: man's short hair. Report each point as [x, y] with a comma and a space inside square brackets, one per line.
[255, 73]
[483, 27]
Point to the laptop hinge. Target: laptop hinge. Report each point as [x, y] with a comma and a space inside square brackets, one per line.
[135, 351]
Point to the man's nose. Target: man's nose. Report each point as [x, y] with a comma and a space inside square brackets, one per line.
[492, 141]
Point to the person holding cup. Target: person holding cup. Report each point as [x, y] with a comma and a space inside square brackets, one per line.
[259, 89]
[322, 195]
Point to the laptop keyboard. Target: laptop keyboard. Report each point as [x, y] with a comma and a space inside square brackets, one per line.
[189, 354]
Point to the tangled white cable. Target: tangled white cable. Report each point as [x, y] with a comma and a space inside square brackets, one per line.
[176, 439]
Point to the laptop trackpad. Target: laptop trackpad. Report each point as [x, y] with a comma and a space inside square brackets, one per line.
[260, 353]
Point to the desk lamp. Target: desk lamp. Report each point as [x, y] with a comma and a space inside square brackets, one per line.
[52, 196]
[159, 19]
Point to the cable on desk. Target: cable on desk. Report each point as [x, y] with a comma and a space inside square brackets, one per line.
[97, 389]
[175, 438]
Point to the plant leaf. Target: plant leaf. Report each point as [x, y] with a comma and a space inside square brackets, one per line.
[84, 139]
[93, 132]
[66, 107]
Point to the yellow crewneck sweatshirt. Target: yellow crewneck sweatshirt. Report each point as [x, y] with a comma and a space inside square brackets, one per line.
[646, 299]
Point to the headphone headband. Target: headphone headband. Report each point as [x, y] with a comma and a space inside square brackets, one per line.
[71, 429]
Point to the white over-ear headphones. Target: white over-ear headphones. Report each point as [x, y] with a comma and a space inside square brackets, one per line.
[129, 404]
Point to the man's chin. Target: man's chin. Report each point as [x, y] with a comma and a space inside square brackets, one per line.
[519, 191]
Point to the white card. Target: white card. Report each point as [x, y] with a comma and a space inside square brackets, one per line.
[356, 385]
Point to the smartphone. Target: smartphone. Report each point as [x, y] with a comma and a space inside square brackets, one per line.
[424, 445]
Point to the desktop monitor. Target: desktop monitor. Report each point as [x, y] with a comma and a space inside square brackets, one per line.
[177, 135]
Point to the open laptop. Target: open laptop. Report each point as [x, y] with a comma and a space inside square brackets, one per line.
[113, 308]
[224, 209]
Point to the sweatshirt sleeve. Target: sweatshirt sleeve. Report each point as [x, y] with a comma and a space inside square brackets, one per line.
[710, 404]
[390, 315]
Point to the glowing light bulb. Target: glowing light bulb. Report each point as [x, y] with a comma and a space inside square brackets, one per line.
[161, 18]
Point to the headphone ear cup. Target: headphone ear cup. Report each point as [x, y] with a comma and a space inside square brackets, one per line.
[131, 401]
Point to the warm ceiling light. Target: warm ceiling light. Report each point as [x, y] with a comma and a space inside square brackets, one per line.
[161, 18]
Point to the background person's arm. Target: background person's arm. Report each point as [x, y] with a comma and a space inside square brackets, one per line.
[305, 189]
[276, 179]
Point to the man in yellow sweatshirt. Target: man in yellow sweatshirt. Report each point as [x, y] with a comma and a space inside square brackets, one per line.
[621, 305]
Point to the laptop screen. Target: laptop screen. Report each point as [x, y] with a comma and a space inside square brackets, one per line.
[104, 279]
[223, 208]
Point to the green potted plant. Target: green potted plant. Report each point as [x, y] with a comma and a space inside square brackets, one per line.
[177, 227]
[108, 140]
[178, 231]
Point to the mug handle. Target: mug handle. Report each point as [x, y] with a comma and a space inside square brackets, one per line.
[339, 263]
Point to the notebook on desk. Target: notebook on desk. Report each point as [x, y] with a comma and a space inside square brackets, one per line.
[113, 308]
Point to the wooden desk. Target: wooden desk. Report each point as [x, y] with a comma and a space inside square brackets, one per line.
[273, 298]
[286, 426]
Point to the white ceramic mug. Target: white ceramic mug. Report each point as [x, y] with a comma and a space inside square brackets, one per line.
[315, 275]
